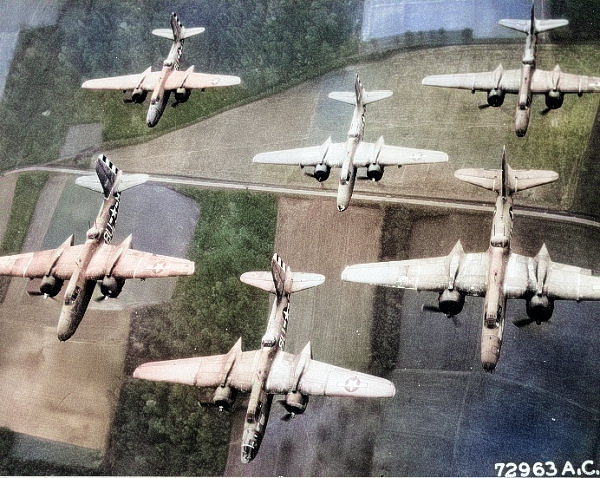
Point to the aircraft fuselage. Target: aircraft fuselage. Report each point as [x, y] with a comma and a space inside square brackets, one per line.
[348, 171]
[525, 95]
[160, 96]
[80, 288]
[494, 308]
[259, 404]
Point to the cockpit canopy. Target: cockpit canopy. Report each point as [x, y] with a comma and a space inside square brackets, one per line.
[268, 341]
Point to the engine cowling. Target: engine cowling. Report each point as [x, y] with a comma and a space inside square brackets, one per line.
[135, 96]
[296, 402]
[539, 308]
[224, 397]
[182, 95]
[50, 285]
[495, 97]
[374, 172]
[321, 172]
[451, 302]
[554, 99]
[111, 286]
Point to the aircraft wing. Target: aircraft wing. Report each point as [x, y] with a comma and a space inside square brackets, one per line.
[318, 378]
[192, 80]
[562, 282]
[544, 81]
[331, 154]
[430, 274]
[133, 264]
[202, 371]
[505, 80]
[60, 261]
[385, 155]
[146, 81]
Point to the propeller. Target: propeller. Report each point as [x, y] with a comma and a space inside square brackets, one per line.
[290, 413]
[483, 106]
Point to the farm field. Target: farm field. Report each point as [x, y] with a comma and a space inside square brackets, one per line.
[415, 116]
[312, 236]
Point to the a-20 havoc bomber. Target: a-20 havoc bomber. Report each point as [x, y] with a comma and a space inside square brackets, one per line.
[524, 82]
[169, 79]
[268, 371]
[96, 260]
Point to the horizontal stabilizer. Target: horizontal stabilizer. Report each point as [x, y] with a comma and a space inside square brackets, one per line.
[127, 181]
[369, 96]
[515, 180]
[168, 33]
[299, 280]
[541, 26]
[109, 179]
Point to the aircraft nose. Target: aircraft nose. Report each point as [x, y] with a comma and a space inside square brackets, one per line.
[341, 207]
[248, 453]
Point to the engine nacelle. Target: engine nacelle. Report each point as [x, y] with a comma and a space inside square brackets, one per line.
[554, 99]
[111, 286]
[224, 397]
[182, 95]
[321, 172]
[374, 172]
[135, 96]
[295, 402]
[50, 285]
[495, 97]
[451, 302]
[539, 308]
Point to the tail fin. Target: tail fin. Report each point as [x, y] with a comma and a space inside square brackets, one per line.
[533, 26]
[281, 280]
[360, 95]
[506, 181]
[112, 180]
[177, 32]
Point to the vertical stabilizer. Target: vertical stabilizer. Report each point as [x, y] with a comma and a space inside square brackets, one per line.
[108, 174]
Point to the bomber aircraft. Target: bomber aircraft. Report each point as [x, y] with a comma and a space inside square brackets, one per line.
[268, 371]
[96, 260]
[169, 79]
[354, 153]
[524, 82]
[497, 274]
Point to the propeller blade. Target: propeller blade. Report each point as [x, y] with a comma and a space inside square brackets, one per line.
[483, 106]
